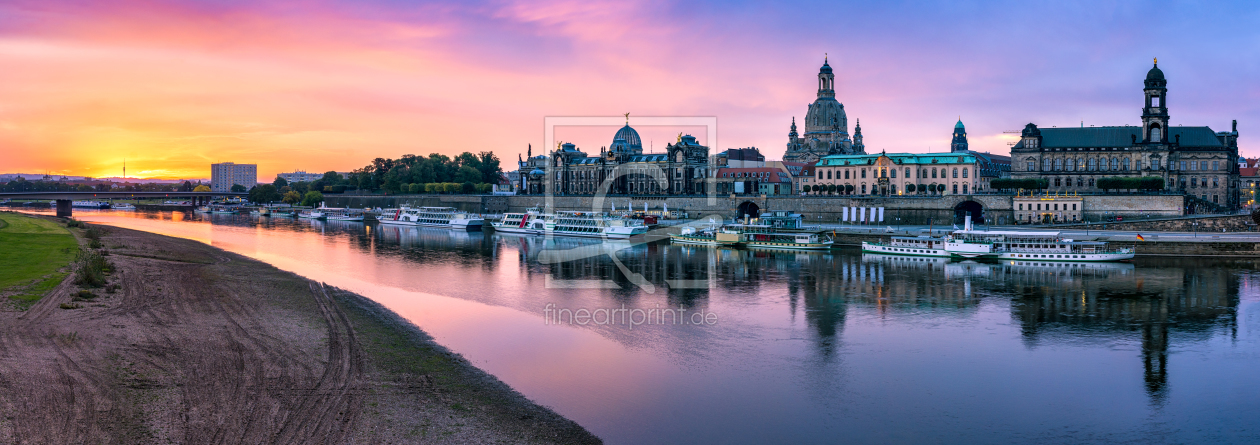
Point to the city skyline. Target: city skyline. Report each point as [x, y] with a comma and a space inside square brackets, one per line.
[174, 88]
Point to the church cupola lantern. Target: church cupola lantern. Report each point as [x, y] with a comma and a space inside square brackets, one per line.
[1155, 113]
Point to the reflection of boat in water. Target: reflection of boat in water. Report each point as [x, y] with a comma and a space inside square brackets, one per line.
[998, 245]
[414, 236]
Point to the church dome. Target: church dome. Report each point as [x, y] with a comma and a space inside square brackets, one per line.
[958, 125]
[826, 68]
[1155, 77]
[627, 139]
[1155, 73]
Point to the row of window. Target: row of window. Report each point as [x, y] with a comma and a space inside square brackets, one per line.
[892, 188]
[1056, 206]
[1116, 164]
[892, 173]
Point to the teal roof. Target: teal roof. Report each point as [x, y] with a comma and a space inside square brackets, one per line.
[959, 124]
[897, 158]
[1076, 137]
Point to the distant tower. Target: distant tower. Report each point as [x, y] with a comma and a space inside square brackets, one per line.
[792, 135]
[959, 144]
[1155, 114]
[858, 146]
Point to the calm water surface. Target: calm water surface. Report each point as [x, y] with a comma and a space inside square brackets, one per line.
[805, 347]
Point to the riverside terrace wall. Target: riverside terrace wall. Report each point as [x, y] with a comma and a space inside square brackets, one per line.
[1229, 223]
[897, 209]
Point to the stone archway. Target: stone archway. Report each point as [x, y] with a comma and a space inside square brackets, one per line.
[749, 208]
[974, 208]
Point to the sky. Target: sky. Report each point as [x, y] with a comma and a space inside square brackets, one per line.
[174, 86]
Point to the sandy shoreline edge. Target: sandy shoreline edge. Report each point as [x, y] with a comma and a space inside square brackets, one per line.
[202, 345]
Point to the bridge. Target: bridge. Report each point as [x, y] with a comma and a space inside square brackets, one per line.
[64, 199]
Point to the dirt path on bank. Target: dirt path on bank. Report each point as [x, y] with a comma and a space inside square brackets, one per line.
[205, 346]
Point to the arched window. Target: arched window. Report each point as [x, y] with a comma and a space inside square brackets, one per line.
[933, 172]
[964, 188]
[1115, 164]
[907, 172]
[863, 188]
[863, 173]
[1091, 167]
[1045, 165]
[894, 173]
[1156, 135]
[955, 188]
[1058, 164]
[828, 174]
[1124, 164]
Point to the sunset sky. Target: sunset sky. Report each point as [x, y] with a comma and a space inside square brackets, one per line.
[173, 87]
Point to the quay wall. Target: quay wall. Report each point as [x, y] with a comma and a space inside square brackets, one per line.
[897, 209]
[1229, 223]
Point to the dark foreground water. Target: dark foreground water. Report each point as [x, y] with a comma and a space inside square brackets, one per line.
[804, 347]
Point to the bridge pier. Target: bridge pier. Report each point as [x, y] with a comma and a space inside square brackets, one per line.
[64, 207]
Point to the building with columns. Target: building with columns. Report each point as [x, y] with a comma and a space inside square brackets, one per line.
[1192, 160]
[826, 126]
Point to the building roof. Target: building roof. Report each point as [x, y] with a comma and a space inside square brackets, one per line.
[1103, 137]
[959, 124]
[898, 158]
[744, 154]
[1248, 172]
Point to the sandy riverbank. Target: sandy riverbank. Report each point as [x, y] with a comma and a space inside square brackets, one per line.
[200, 345]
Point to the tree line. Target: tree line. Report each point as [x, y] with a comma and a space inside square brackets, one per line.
[22, 185]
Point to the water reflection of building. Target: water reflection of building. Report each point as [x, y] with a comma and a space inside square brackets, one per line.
[1155, 303]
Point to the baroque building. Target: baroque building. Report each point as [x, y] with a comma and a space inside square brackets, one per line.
[1192, 160]
[620, 168]
[826, 126]
[892, 174]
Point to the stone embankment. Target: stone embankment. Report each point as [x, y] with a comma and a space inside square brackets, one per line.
[1227, 223]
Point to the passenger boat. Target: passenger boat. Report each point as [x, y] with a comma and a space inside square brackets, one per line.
[278, 213]
[999, 245]
[311, 214]
[533, 222]
[761, 236]
[594, 225]
[122, 206]
[711, 235]
[333, 214]
[90, 204]
[215, 209]
[445, 217]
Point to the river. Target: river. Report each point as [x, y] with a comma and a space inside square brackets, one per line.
[802, 347]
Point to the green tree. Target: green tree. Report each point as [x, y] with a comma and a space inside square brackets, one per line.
[237, 188]
[909, 188]
[467, 188]
[490, 169]
[201, 188]
[264, 194]
[468, 174]
[292, 197]
[280, 182]
[312, 198]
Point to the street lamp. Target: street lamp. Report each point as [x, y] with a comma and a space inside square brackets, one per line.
[1196, 228]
